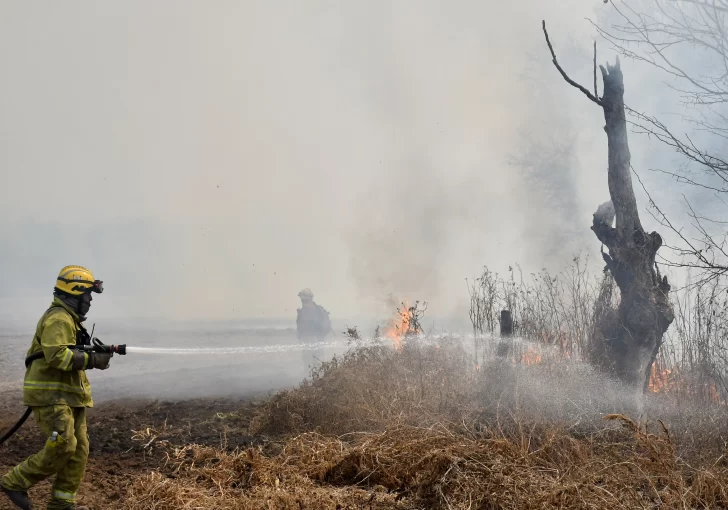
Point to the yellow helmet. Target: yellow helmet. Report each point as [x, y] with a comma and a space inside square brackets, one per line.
[77, 280]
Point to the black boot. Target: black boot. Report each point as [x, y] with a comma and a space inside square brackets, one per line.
[19, 498]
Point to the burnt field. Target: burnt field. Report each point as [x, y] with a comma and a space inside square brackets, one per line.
[116, 459]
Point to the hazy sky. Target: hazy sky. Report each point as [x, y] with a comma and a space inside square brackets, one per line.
[210, 159]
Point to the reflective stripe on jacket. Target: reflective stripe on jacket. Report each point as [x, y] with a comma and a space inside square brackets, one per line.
[50, 380]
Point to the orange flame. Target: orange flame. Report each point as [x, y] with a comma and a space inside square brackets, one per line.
[661, 380]
[398, 326]
[715, 395]
[531, 357]
[664, 381]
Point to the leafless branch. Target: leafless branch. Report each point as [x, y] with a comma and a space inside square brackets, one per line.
[563, 73]
[704, 5]
[685, 180]
[703, 262]
[644, 30]
[596, 92]
[653, 127]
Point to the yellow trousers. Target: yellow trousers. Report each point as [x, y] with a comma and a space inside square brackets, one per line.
[63, 455]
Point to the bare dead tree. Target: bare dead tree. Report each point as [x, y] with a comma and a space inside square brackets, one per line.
[631, 341]
[669, 36]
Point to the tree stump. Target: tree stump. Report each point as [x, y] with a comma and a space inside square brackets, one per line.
[505, 345]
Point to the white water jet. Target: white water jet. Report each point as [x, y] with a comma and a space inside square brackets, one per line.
[235, 350]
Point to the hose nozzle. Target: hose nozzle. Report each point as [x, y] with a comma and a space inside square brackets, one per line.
[110, 349]
[99, 346]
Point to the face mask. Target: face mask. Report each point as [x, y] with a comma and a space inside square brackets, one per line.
[79, 304]
[85, 305]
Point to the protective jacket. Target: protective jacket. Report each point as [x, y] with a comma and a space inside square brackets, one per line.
[312, 321]
[50, 380]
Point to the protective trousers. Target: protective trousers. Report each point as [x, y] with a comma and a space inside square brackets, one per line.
[64, 456]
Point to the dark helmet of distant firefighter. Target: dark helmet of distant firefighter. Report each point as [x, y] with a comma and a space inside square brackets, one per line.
[306, 295]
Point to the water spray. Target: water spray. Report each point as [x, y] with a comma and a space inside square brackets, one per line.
[275, 348]
[258, 349]
[99, 347]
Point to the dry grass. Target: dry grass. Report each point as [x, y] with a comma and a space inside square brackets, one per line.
[372, 388]
[565, 311]
[419, 428]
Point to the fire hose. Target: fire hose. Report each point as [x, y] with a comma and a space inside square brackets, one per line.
[97, 346]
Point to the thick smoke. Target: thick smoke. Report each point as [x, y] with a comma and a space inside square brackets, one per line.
[209, 161]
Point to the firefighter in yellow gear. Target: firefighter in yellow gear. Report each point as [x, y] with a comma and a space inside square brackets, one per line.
[57, 390]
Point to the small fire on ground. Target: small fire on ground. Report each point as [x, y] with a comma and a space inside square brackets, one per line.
[531, 357]
[398, 325]
[670, 381]
[661, 380]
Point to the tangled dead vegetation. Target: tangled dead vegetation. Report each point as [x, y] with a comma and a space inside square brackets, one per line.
[374, 387]
[421, 428]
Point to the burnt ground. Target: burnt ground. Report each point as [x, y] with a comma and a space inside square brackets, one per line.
[115, 458]
[208, 400]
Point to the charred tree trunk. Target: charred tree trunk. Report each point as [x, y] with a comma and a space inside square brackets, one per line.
[632, 337]
[505, 345]
[506, 323]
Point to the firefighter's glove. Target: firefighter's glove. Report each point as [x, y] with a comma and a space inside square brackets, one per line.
[98, 360]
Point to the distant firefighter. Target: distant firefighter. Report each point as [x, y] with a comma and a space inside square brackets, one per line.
[312, 326]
